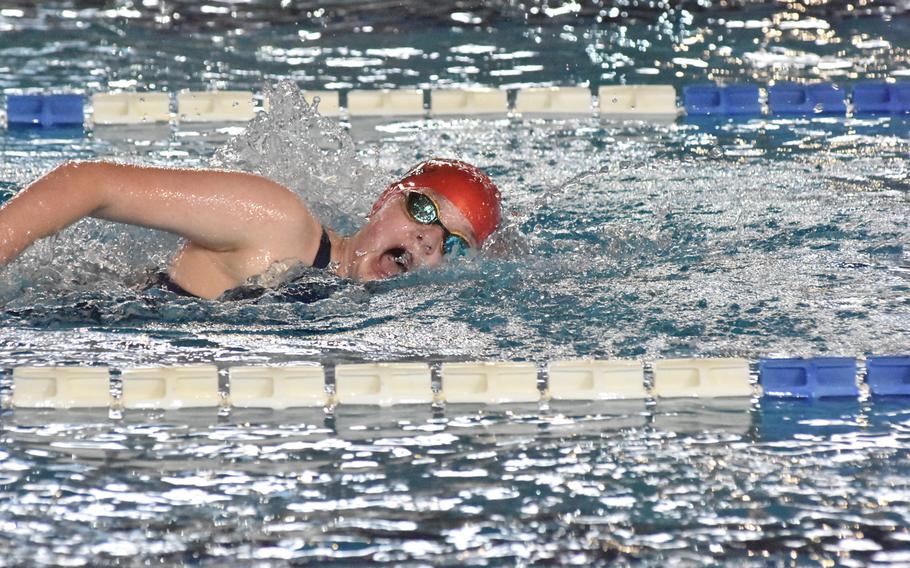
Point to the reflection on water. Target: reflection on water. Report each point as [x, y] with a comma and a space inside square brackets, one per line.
[678, 481]
[698, 238]
[177, 44]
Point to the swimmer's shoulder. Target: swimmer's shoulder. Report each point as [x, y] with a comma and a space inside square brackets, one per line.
[291, 230]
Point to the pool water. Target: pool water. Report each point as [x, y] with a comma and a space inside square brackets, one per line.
[746, 238]
[621, 240]
[690, 483]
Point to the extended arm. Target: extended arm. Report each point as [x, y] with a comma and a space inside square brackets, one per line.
[218, 210]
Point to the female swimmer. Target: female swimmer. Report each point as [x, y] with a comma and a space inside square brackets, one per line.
[238, 225]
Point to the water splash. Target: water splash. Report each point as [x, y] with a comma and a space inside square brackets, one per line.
[310, 154]
[291, 144]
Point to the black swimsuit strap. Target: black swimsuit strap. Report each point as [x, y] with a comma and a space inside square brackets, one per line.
[324, 254]
[163, 280]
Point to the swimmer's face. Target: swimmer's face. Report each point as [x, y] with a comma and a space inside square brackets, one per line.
[393, 242]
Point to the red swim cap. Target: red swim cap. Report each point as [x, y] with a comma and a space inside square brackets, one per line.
[464, 185]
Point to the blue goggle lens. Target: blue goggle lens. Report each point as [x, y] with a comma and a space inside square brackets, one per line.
[455, 245]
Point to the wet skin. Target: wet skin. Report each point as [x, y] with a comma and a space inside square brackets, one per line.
[392, 242]
[236, 225]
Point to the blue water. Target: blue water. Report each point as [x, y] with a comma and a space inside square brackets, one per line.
[746, 238]
[682, 482]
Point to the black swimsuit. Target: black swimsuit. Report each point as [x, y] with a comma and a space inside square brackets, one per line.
[163, 279]
[324, 254]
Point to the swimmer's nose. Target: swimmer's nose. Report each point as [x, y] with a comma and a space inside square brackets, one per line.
[429, 240]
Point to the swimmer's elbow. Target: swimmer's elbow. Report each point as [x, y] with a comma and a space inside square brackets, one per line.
[46, 206]
[79, 185]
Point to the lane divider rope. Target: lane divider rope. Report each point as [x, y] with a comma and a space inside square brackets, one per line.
[611, 101]
[500, 382]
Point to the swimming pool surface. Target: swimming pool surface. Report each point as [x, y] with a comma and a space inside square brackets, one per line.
[712, 238]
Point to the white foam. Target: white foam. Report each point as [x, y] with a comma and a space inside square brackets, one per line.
[329, 102]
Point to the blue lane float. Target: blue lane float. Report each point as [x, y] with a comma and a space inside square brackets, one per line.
[888, 376]
[733, 100]
[45, 110]
[820, 377]
[818, 98]
[881, 98]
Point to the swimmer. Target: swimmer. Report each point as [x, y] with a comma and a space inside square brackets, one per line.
[237, 225]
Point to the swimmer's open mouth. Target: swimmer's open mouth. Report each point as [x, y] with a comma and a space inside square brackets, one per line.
[401, 259]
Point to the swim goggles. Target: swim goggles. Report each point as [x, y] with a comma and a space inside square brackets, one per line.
[424, 210]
